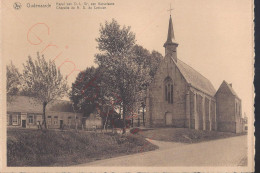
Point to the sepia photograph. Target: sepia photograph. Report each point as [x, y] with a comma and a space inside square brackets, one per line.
[127, 86]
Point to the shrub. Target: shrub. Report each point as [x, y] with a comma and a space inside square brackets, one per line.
[35, 148]
[134, 130]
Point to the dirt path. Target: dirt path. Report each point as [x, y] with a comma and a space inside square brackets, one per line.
[222, 152]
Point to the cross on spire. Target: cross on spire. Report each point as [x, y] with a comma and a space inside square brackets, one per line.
[170, 9]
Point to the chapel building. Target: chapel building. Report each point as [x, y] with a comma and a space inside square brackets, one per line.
[179, 96]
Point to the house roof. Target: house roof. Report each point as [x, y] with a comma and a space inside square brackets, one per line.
[230, 88]
[30, 105]
[194, 78]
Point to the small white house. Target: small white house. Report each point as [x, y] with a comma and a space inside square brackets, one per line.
[25, 112]
[93, 121]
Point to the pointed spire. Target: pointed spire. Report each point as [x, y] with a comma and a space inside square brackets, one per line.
[170, 44]
[170, 36]
[170, 31]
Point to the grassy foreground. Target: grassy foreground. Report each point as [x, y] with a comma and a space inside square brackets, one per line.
[184, 135]
[57, 148]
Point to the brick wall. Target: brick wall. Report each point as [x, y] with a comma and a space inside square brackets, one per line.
[156, 104]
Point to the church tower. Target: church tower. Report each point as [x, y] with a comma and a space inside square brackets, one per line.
[170, 44]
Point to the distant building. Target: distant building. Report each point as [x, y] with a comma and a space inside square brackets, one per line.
[25, 112]
[93, 121]
[245, 123]
[179, 96]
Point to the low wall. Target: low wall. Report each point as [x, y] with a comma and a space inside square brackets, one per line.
[179, 123]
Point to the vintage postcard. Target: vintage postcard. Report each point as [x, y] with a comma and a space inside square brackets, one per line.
[127, 86]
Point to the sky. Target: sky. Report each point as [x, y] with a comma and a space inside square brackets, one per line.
[215, 37]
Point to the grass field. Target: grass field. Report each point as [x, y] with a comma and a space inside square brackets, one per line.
[184, 135]
[57, 148]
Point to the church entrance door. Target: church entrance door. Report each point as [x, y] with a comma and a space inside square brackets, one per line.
[168, 119]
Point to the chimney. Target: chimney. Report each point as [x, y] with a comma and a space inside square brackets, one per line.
[230, 85]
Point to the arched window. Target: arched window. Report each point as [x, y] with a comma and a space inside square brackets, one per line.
[168, 91]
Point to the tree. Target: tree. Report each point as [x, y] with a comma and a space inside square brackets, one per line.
[13, 82]
[154, 62]
[85, 90]
[43, 82]
[123, 74]
[114, 41]
[90, 93]
[148, 61]
[145, 59]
